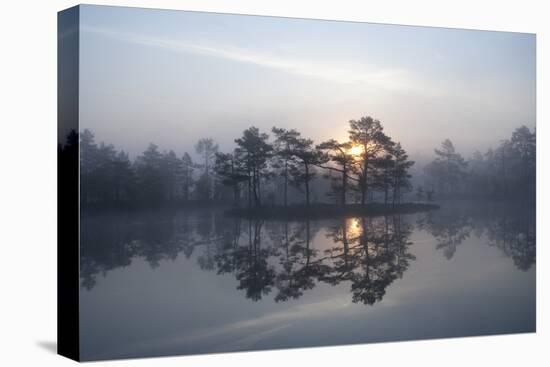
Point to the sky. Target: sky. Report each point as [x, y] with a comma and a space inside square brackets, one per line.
[173, 77]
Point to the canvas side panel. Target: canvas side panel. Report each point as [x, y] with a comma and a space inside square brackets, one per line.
[67, 184]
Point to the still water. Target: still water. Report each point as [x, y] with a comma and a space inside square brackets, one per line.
[185, 282]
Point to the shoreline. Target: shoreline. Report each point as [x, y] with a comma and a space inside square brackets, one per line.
[322, 211]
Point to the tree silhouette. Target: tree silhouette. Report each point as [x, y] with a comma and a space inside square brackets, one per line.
[187, 168]
[369, 167]
[307, 158]
[149, 175]
[507, 172]
[207, 149]
[384, 168]
[401, 176]
[254, 151]
[106, 174]
[172, 172]
[447, 169]
[232, 172]
[523, 145]
[368, 134]
[284, 145]
[340, 154]
[88, 164]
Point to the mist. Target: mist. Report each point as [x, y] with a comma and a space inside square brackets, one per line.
[172, 78]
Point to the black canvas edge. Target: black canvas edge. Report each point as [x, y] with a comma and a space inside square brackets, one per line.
[68, 238]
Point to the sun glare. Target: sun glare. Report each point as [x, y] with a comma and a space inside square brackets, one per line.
[356, 150]
[353, 227]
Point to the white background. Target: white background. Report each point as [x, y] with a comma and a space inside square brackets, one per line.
[28, 182]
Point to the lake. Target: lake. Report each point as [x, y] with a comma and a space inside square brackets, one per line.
[196, 281]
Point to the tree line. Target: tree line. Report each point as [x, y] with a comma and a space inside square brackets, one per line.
[287, 168]
[261, 170]
[507, 172]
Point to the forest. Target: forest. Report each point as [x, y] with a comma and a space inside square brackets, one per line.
[507, 172]
[282, 168]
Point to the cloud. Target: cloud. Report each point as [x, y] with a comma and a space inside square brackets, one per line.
[241, 334]
[389, 79]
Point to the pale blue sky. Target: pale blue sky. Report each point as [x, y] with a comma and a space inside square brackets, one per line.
[172, 77]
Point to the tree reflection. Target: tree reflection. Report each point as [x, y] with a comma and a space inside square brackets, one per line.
[373, 253]
[289, 259]
[449, 227]
[510, 228]
[299, 267]
[105, 246]
[515, 237]
[249, 263]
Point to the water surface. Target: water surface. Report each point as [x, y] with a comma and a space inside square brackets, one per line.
[186, 282]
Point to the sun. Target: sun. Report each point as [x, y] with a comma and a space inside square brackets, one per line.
[356, 150]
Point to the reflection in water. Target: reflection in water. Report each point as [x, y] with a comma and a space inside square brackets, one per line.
[516, 238]
[248, 261]
[282, 260]
[511, 229]
[367, 253]
[449, 227]
[298, 263]
[370, 253]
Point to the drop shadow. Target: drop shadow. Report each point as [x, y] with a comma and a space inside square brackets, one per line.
[50, 346]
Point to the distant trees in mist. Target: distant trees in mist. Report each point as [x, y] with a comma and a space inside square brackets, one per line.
[283, 167]
[509, 171]
[262, 170]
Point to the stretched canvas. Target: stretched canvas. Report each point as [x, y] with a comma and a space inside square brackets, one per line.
[235, 183]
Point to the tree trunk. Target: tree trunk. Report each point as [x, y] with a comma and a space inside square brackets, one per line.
[184, 192]
[307, 185]
[344, 185]
[286, 184]
[363, 193]
[394, 193]
[259, 189]
[386, 188]
[249, 191]
[364, 186]
[308, 252]
[255, 187]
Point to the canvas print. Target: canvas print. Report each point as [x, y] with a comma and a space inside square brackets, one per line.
[251, 183]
